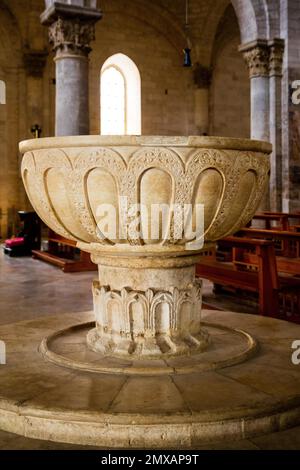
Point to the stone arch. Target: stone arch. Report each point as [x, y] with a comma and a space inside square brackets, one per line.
[137, 309]
[162, 317]
[257, 19]
[253, 19]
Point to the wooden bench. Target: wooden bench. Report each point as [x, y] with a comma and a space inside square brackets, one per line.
[282, 219]
[255, 269]
[287, 243]
[64, 259]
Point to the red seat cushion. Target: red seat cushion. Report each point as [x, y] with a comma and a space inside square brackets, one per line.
[18, 241]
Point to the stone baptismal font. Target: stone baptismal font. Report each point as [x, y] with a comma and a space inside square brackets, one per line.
[145, 208]
[148, 367]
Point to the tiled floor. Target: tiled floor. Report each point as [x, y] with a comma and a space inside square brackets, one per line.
[31, 289]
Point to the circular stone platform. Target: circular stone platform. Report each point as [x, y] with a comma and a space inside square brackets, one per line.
[234, 390]
[67, 347]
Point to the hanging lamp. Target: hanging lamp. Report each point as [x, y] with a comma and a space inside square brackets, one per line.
[187, 61]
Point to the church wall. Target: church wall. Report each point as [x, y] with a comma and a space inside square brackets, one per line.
[9, 123]
[167, 99]
[230, 86]
[230, 93]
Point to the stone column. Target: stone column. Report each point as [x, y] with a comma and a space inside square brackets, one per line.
[202, 79]
[71, 29]
[275, 68]
[256, 54]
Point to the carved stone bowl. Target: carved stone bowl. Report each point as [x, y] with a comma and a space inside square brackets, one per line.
[147, 301]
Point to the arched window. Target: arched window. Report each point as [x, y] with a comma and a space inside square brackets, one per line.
[120, 96]
[2, 92]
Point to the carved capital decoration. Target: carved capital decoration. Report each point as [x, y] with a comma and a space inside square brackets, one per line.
[72, 36]
[264, 58]
[257, 60]
[276, 57]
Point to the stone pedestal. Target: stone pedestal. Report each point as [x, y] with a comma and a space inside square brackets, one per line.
[152, 311]
[71, 30]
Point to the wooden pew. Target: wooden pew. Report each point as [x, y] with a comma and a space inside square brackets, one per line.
[254, 269]
[282, 219]
[287, 243]
[64, 259]
[264, 280]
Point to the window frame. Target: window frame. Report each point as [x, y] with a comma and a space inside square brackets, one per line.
[132, 91]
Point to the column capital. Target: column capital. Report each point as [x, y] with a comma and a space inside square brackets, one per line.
[71, 36]
[257, 55]
[276, 56]
[71, 27]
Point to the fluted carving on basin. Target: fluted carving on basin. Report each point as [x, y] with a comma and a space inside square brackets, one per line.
[208, 191]
[156, 188]
[101, 178]
[183, 180]
[33, 174]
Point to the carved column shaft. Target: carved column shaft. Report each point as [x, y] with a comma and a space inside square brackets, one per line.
[71, 30]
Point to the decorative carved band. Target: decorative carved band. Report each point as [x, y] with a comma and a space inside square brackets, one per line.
[257, 60]
[151, 322]
[231, 166]
[71, 36]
